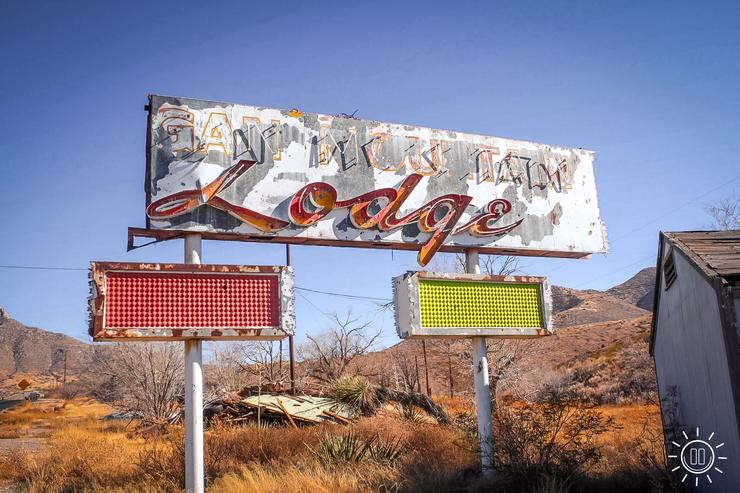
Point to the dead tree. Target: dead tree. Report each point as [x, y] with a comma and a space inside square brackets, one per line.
[495, 265]
[225, 372]
[455, 359]
[450, 379]
[725, 213]
[237, 365]
[503, 355]
[408, 370]
[263, 359]
[149, 375]
[330, 353]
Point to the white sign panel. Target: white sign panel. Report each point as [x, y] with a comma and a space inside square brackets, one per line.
[287, 176]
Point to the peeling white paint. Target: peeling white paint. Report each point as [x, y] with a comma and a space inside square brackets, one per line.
[188, 151]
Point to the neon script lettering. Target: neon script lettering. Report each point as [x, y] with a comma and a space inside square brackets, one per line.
[316, 200]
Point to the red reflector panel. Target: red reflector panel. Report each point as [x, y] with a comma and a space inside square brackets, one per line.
[169, 300]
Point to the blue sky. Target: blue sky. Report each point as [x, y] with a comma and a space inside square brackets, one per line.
[650, 86]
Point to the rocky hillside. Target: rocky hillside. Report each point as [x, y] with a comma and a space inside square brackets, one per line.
[633, 298]
[589, 307]
[599, 351]
[29, 350]
[637, 290]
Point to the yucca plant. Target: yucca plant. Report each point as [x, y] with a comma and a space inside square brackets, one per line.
[348, 448]
[333, 449]
[410, 413]
[386, 452]
[354, 391]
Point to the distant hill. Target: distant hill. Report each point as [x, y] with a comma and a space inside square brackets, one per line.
[633, 298]
[606, 361]
[588, 307]
[599, 350]
[637, 290]
[30, 350]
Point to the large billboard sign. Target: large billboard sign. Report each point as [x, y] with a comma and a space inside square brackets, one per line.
[131, 301]
[431, 304]
[230, 170]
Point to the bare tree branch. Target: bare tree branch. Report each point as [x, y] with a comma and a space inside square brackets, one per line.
[149, 375]
[725, 213]
[330, 353]
[494, 265]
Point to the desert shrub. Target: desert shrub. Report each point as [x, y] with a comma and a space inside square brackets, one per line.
[422, 401]
[67, 391]
[349, 448]
[410, 413]
[386, 452]
[605, 382]
[149, 377]
[354, 391]
[556, 438]
[105, 388]
[333, 449]
[438, 459]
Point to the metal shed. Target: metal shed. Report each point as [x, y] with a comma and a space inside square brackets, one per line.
[695, 344]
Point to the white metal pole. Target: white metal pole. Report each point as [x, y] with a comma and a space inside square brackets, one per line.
[194, 477]
[482, 384]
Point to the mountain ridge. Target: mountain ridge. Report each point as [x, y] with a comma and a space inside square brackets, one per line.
[31, 350]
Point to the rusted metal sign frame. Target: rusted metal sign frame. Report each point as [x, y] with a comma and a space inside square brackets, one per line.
[99, 332]
[157, 235]
[407, 306]
[233, 171]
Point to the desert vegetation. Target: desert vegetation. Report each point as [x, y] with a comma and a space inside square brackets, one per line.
[575, 412]
[556, 445]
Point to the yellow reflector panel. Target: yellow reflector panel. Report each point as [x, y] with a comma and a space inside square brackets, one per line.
[479, 304]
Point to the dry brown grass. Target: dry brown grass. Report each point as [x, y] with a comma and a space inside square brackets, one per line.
[455, 405]
[230, 447]
[86, 454]
[311, 478]
[434, 458]
[42, 417]
[82, 455]
[639, 438]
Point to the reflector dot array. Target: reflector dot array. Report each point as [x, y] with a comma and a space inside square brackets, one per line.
[462, 304]
[187, 300]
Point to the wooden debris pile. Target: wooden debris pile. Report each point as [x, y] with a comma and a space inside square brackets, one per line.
[281, 408]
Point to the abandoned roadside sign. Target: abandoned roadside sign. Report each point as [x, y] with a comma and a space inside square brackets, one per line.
[131, 301]
[230, 170]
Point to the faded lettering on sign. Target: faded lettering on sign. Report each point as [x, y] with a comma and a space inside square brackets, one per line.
[323, 179]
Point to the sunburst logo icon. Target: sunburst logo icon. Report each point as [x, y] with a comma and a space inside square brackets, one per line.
[697, 457]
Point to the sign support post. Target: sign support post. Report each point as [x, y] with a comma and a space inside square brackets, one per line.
[194, 477]
[482, 384]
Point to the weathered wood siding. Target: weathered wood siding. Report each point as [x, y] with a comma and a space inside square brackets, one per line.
[690, 356]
